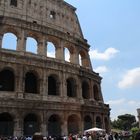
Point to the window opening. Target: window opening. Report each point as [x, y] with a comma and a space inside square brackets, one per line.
[67, 55]
[52, 14]
[13, 3]
[50, 50]
[31, 45]
[9, 41]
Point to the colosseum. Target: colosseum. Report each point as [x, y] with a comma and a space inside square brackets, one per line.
[54, 92]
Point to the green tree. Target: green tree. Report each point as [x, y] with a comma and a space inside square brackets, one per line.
[124, 122]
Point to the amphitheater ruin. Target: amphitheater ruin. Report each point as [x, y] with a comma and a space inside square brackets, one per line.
[57, 93]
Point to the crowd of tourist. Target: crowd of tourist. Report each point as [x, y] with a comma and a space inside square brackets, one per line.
[86, 136]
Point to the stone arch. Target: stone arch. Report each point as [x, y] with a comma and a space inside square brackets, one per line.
[83, 58]
[7, 80]
[6, 124]
[67, 54]
[31, 124]
[85, 90]
[51, 50]
[54, 125]
[70, 52]
[53, 84]
[71, 87]
[73, 124]
[31, 45]
[96, 92]
[9, 41]
[31, 82]
[87, 122]
[98, 122]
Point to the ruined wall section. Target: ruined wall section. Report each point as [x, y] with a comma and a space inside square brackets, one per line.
[55, 14]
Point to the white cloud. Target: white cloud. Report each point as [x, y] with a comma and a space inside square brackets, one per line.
[130, 79]
[106, 55]
[123, 106]
[116, 102]
[101, 69]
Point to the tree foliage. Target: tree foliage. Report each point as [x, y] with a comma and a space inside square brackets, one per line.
[124, 122]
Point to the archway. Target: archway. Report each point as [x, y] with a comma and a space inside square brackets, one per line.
[6, 124]
[85, 90]
[54, 126]
[31, 83]
[96, 92]
[53, 86]
[31, 125]
[9, 41]
[71, 87]
[73, 124]
[7, 80]
[98, 122]
[31, 45]
[87, 122]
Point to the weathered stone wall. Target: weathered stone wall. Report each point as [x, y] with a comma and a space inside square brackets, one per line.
[54, 21]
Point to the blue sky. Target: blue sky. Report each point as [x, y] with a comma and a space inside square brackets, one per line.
[112, 28]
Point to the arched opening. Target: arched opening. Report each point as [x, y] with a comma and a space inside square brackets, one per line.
[13, 3]
[7, 80]
[31, 125]
[31, 45]
[51, 50]
[31, 84]
[71, 87]
[96, 93]
[83, 59]
[80, 60]
[6, 124]
[9, 41]
[67, 54]
[73, 124]
[54, 126]
[85, 90]
[98, 122]
[53, 87]
[87, 122]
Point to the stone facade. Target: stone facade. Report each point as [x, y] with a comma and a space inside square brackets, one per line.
[40, 93]
[138, 111]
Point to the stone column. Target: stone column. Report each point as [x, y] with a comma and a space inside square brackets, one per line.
[21, 42]
[1, 37]
[42, 47]
[79, 90]
[19, 82]
[64, 128]
[74, 58]
[60, 51]
[43, 127]
[94, 120]
[18, 127]
[63, 86]
[44, 85]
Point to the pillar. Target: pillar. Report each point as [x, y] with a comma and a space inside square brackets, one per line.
[18, 127]
[60, 51]
[42, 47]
[74, 58]
[64, 128]
[1, 37]
[21, 42]
[19, 82]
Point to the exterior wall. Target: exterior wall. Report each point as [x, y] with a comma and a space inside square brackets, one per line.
[138, 111]
[24, 22]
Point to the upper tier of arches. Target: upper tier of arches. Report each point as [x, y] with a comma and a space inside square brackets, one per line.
[47, 46]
